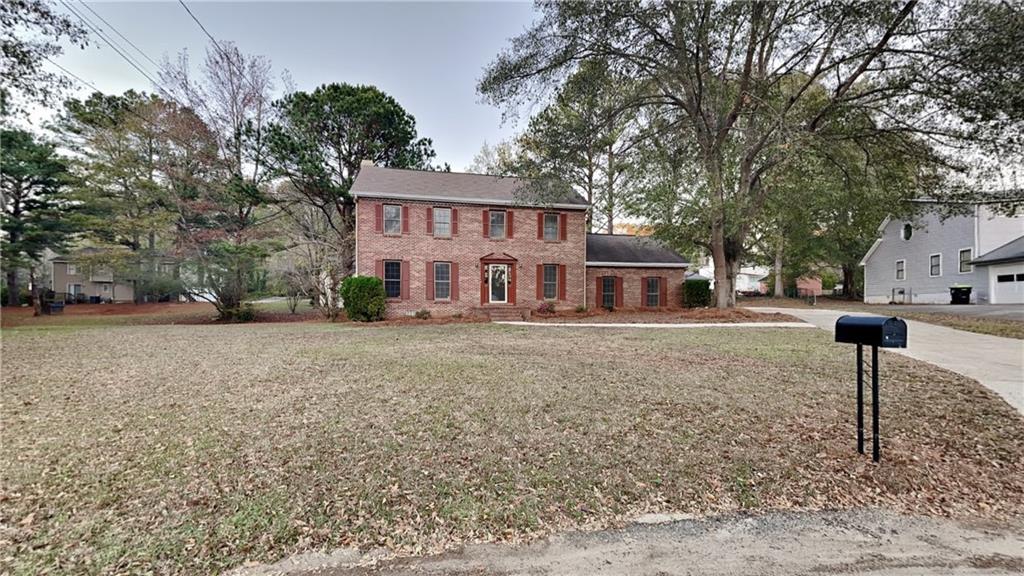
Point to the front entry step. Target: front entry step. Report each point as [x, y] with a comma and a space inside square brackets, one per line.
[506, 313]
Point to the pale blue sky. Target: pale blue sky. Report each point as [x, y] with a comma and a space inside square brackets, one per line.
[429, 56]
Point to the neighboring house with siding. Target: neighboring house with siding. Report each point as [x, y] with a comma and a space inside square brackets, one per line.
[916, 262]
[79, 278]
[456, 243]
[81, 281]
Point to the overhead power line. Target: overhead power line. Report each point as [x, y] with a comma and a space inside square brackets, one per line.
[131, 111]
[113, 45]
[118, 32]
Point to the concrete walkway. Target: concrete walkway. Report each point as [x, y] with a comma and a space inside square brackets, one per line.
[998, 363]
[657, 325]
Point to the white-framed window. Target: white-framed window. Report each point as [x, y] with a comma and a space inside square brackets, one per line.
[550, 281]
[608, 291]
[106, 287]
[652, 292]
[497, 224]
[901, 269]
[551, 226]
[72, 270]
[393, 278]
[966, 255]
[442, 222]
[907, 232]
[935, 265]
[442, 280]
[392, 219]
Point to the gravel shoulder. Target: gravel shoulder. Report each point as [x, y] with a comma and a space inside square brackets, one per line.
[833, 542]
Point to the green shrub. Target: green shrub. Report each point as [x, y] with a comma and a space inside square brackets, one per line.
[422, 314]
[246, 313]
[581, 309]
[363, 298]
[696, 293]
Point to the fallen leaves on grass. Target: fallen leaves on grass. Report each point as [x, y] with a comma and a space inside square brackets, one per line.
[174, 449]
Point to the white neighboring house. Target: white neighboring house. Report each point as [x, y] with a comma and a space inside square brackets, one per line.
[748, 279]
[917, 262]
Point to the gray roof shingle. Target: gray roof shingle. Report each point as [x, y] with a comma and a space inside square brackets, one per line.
[618, 249]
[376, 182]
[1012, 251]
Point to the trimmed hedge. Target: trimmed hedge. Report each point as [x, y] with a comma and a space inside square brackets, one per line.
[696, 293]
[363, 298]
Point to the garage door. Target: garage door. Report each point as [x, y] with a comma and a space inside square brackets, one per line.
[1008, 285]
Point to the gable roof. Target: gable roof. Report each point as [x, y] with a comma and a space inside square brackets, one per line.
[400, 184]
[631, 251]
[1012, 251]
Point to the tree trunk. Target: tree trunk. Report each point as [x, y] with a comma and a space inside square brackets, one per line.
[610, 193]
[12, 287]
[724, 275]
[849, 279]
[37, 294]
[780, 287]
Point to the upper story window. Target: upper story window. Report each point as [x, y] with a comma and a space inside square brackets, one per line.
[907, 232]
[935, 265]
[392, 219]
[966, 255]
[72, 269]
[653, 292]
[901, 269]
[442, 222]
[551, 226]
[497, 224]
[393, 278]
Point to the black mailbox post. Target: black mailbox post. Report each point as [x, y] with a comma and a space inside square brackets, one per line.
[874, 331]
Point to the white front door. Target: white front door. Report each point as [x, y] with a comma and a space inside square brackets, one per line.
[497, 280]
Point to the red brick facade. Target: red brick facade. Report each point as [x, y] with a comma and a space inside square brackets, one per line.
[469, 250]
[630, 287]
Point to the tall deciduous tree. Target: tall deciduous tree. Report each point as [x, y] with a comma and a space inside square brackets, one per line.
[735, 79]
[217, 160]
[586, 138]
[318, 145]
[33, 181]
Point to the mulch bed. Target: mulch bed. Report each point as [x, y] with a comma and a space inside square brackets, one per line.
[688, 315]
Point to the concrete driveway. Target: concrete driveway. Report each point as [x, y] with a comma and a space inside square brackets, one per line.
[995, 311]
[998, 363]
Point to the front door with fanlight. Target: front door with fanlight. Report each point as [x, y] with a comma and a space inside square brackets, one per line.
[497, 280]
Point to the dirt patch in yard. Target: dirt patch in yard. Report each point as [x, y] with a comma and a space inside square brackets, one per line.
[688, 315]
[193, 449]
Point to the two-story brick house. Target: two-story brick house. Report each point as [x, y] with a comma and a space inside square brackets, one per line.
[466, 243]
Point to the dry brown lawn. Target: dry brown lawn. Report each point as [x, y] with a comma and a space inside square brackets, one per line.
[191, 449]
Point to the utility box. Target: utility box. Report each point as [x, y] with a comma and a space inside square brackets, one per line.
[872, 331]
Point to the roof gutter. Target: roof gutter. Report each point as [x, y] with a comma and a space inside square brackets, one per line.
[477, 201]
[639, 264]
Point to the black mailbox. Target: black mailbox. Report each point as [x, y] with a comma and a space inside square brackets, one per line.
[872, 331]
